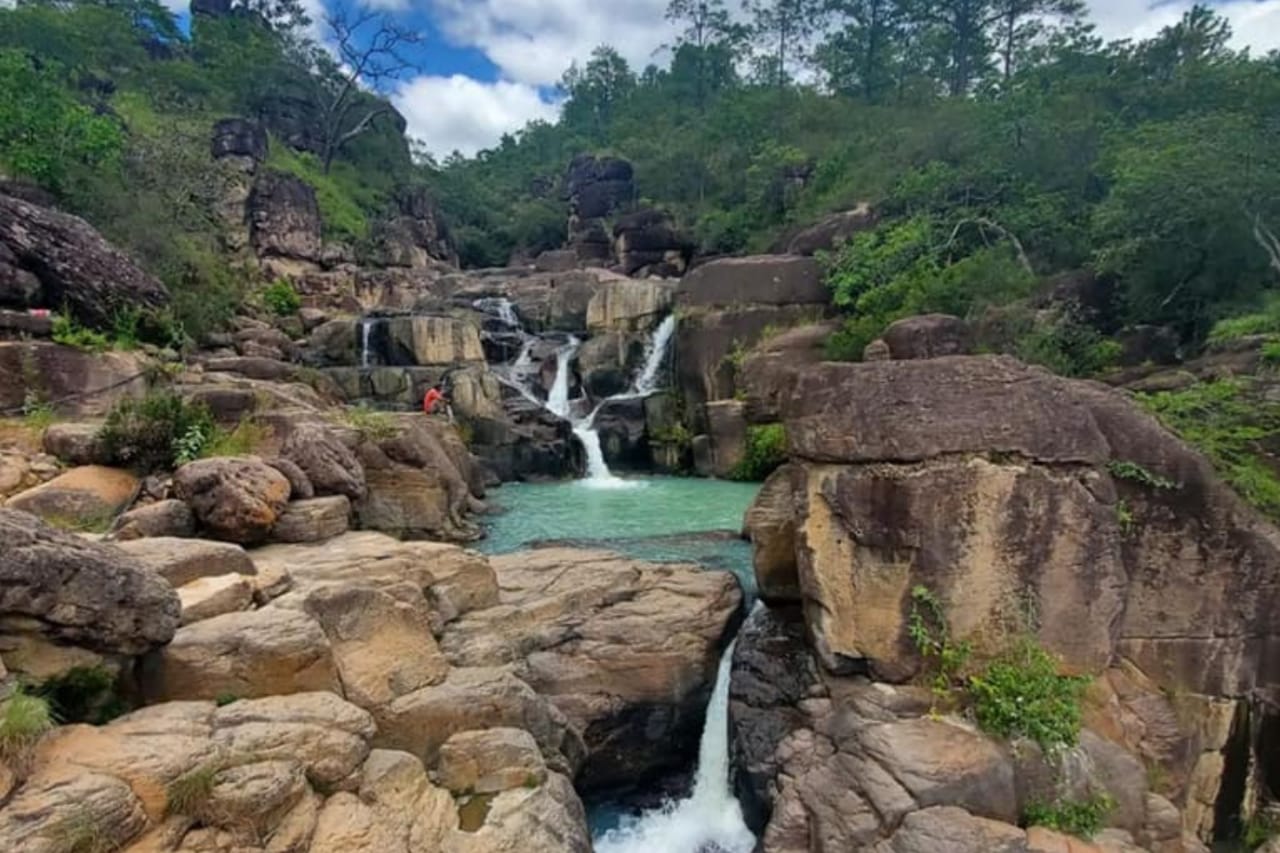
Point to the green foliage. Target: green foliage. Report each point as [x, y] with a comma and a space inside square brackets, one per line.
[37, 414]
[161, 431]
[1260, 828]
[79, 832]
[1068, 347]
[224, 699]
[68, 332]
[82, 695]
[372, 424]
[24, 719]
[189, 794]
[1081, 818]
[1230, 426]
[1022, 695]
[1271, 353]
[929, 632]
[338, 193]
[281, 298]
[244, 440]
[1263, 322]
[1125, 469]
[765, 451]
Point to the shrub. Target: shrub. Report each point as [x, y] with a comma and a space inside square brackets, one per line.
[1135, 473]
[23, 721]
[82, 695]
[159, 431]
[245, 439]
[1265, 321]
[281, 298]
[68, 332]
[766, 450]
[1023, 695]
[1081, 818]
[927, 626]
[1068, 347]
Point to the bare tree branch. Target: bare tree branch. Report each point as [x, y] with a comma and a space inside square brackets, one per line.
[983, 225]
[1266, 238]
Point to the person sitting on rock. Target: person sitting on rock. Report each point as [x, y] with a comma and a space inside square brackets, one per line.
[435, 399]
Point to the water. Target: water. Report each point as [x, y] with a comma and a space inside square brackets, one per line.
[366, 330]
[558, 398]
[647, 381]
[500, 307]
[710, 818]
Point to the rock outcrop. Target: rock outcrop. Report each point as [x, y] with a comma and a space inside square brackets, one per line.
[50, 259]
[236, 499]
[284, 218]
[73, 381]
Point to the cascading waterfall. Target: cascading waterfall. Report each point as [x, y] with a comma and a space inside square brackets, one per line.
[711, 817]
[520, 373]
[366, 331]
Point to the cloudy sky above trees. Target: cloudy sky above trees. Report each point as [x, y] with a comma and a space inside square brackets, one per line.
[490, 66]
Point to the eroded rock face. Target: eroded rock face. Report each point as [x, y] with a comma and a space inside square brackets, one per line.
[55, 372]
[236, 499]
[69, 590]
[70, 265]
[628, 651]
[330, 465]
[284, 217]
[759, 280]
[83, 498]
[770, 524]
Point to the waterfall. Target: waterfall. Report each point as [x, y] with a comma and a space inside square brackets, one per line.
[656, 353]
[558, 398]
[500, 307]
[711, 817]
[366, 330]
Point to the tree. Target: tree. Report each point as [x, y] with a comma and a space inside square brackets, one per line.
[1202, 36]
[1021, 24]
[963, 39]
[597, 89]
[786, 25]
[860, 56]
[370, 50]
[709, 37]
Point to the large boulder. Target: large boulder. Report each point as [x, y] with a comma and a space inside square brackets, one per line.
[759, 280]
[628, 651]
[69, 590]
[86, 498]
[75, 382]
[330, 465]
[238, 137]
[70, 266]
[829, 233]
[597, 186]
[416, 236]
[893, 453]
[928, 336]
[629, 306]
[284, 217]
[647, 242]
[770, 524]
[181, 561]
[432, 340]
[235, 499]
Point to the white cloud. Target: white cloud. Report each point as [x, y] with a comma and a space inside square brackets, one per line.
[463, 114]
[1256, 23]
[534, 41]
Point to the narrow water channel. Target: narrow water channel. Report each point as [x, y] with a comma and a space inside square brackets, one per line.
[661, 519]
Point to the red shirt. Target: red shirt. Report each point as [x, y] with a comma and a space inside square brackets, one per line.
[429, 401]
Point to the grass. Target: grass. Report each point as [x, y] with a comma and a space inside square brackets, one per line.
[1081, 818]
[79, 832]
[1135, 473]
[94, 522]
[189, 794]
[1260, 828]
[1224, 422]
[24, 719]
[372, 424]
[1265, 321]
[37, 414]
[244, 440]
[340, 195]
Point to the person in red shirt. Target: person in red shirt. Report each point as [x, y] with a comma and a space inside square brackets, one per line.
[433, 398]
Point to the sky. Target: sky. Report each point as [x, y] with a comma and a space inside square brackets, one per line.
[488, 67]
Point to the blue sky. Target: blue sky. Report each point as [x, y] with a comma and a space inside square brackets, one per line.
[489, 66]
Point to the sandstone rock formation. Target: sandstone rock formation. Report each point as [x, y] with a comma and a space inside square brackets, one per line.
[73, 381]
[85, 498]
[236, 499]
[284, 217]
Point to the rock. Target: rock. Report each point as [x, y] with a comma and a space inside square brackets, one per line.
[334, 342]
[382, 645]
[419, 484]
[253, 367]
[629, 306]
[160, 519]
[770, 524]
[182, 561]
[73, 591]
[75, 443]
[831, 232]
[207, 597]
[490, 761]
[238, 137]
[928, 336]
[300, 488]
[955, 830]
[759, 280]
[646, 242]
[727, 426]
[548, 818]
[773, 673]
[621, 425]
[81, 383]
[54, 812]
[556, 260]
[239, 500]
[416, 237]
[86, 498]
[329, 464]
[427, 340]
[768, 370]
[284, 217]
[478, 698]
[628, 651]
[597, 186]
[255, 653]
[78, 271]
[313, 520]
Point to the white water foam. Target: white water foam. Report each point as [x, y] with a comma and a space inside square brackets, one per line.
[656, 353]
[558, 397]
[711, 817]
[366, 330]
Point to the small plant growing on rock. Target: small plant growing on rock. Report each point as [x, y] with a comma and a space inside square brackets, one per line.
[83, 694]
[1081, 818]
[766, 451]
[281, 299]
[927, 626]
[224, 699]
[189, 794]
[68, 332]
[79, 833]
[1135, 473]
[1124, 517]
[372, 424]
[23, 721]
[1022, 695]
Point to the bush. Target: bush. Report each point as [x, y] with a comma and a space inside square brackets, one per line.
[23, 721]
[160, 431]
[1068, 347]
[1023, 695]
[68, 332]
[1081, 818]
[281, 298]
[927, 626]
[765, 452]
[244, 440]
[82, 695]
[189, 794]
[1265, 321]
